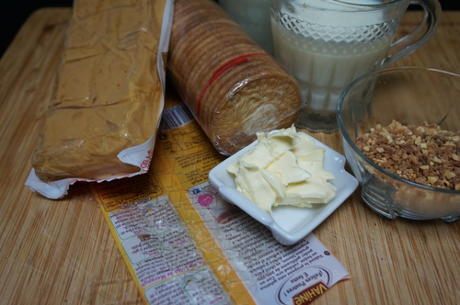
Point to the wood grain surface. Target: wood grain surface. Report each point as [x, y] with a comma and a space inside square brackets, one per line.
[61, 252]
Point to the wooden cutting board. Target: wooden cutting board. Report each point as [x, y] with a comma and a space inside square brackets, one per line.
[57, 252]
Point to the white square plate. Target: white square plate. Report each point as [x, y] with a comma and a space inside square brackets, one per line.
[287, 224]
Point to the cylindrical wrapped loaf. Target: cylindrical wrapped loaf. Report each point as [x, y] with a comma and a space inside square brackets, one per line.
[108, 95]
[231, 85]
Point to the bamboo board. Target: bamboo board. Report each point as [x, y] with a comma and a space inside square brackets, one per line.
[56, 252]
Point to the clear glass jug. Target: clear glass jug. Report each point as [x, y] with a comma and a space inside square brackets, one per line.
[326, 44]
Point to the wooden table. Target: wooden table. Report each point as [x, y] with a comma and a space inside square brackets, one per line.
[56, 252]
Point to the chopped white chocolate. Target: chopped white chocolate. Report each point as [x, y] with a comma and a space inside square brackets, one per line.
[283, 168]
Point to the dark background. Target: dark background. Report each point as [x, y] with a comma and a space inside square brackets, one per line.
[15, 12]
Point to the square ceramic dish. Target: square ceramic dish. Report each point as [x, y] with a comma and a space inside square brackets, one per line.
[287, 224]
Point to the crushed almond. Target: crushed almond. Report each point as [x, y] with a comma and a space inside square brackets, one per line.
[423, 154]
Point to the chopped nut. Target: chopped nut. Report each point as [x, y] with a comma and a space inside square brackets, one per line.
[389, 138]
[449, 174]
[420, 129]
[424, 154]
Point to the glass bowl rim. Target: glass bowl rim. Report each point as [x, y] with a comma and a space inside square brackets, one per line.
[355, 148]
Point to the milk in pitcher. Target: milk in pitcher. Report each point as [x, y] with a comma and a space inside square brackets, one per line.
[324, 68]
[326, 48]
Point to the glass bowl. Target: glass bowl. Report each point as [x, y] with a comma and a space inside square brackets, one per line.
[408, 95]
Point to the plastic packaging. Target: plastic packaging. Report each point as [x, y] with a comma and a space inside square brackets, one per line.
[106, 106]
[232, 86]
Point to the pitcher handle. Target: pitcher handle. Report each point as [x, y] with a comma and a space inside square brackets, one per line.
[419, 36]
